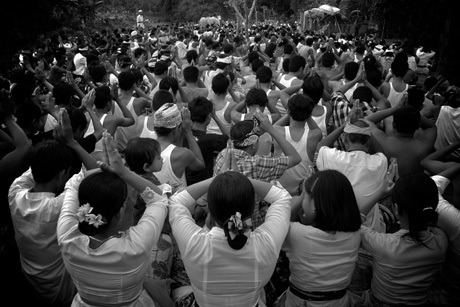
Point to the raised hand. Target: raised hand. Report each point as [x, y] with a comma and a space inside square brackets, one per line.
[63, 131]
[111, 158]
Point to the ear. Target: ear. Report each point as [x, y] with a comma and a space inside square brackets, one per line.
[146, 167]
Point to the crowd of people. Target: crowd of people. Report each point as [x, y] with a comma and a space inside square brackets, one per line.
[195, 166]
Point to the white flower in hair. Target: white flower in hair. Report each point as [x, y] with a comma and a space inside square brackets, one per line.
[83, 212]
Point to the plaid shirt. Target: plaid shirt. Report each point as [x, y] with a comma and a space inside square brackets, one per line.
[263, 168]
[340, 109]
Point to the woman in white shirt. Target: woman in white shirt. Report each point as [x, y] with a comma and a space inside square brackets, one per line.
[229, 264]
[323, 246]
[109, 267]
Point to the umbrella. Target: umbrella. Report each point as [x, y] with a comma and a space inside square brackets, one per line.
[328, 9]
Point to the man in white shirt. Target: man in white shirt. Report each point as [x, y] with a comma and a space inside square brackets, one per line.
[140, 20]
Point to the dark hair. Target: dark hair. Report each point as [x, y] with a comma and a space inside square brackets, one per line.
[300, 107]
[97, 72]
[285, 64]
[26, 113]
[102, 97]
[328, 59]
[191, 74]
[264, 74]
[256, 64]
[400, 66]
[49, 158]
[239, 131]
[140, 151]
[169, 83]
[351, 70]
[163, 131]
[335, 201]
[160, 68]
[288, 49]
[126, 80]
[406, 119]
[160, 98]
[219, 84]
[62, 93]
[373, 74]
[296, 63]
[105, 192]
[313, 87]
[78, 120]
[252, 56]
[200, 108]
[309, 41]
[363, 93]
[191, 55]
[417, 195]
[256, 96]
[415, 97]
[228, 193]
[360, 49]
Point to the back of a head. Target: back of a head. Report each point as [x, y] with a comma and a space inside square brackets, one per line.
[105, 192]
[126, 80]
[97, 73]
[49, 158]
[78, 120]
[400, 66]
[252, 56]
[335, 201]
[256, 64]
[62, 93]
[102, 96]
[416, 97]
[219, 84]
[300, 107]
[288, 49]
[416, 195]
[358, 138]
[229, 193]
[309, 41]
[191, 74]
[373, 74]
[141, 151]
[313, 87]
[161, 67]
[256, 96]
[169, 83]
[264, 74]
[285, 65]
[351, 70]
[191, 55]
[160, 98]
[406, 119]
[297, 63]
[200, 108]
[363, 93]
[328, 59]
[240, 130]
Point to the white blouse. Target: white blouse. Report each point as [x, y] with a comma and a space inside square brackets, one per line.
[220, 275]
[114, 272]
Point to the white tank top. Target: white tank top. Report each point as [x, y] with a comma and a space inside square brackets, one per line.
[321, 122]
[166, 175]
[146, 132]
[394, 97]
[291, 177]
[213, 128]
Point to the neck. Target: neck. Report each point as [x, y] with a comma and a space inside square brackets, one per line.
[357, 147]
[199, 126]
[296, 123]
[47, 187]
[400, 135]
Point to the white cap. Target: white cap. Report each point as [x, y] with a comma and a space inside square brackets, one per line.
[140, 11]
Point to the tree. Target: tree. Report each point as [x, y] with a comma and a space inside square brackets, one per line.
[241, 7]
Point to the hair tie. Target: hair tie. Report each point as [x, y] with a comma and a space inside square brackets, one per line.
[84, 215]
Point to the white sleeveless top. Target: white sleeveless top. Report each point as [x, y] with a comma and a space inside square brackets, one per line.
[292, 176]
[394, 97]
[146, 132]
[166, 175]
[321, 122]
[213, 128]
